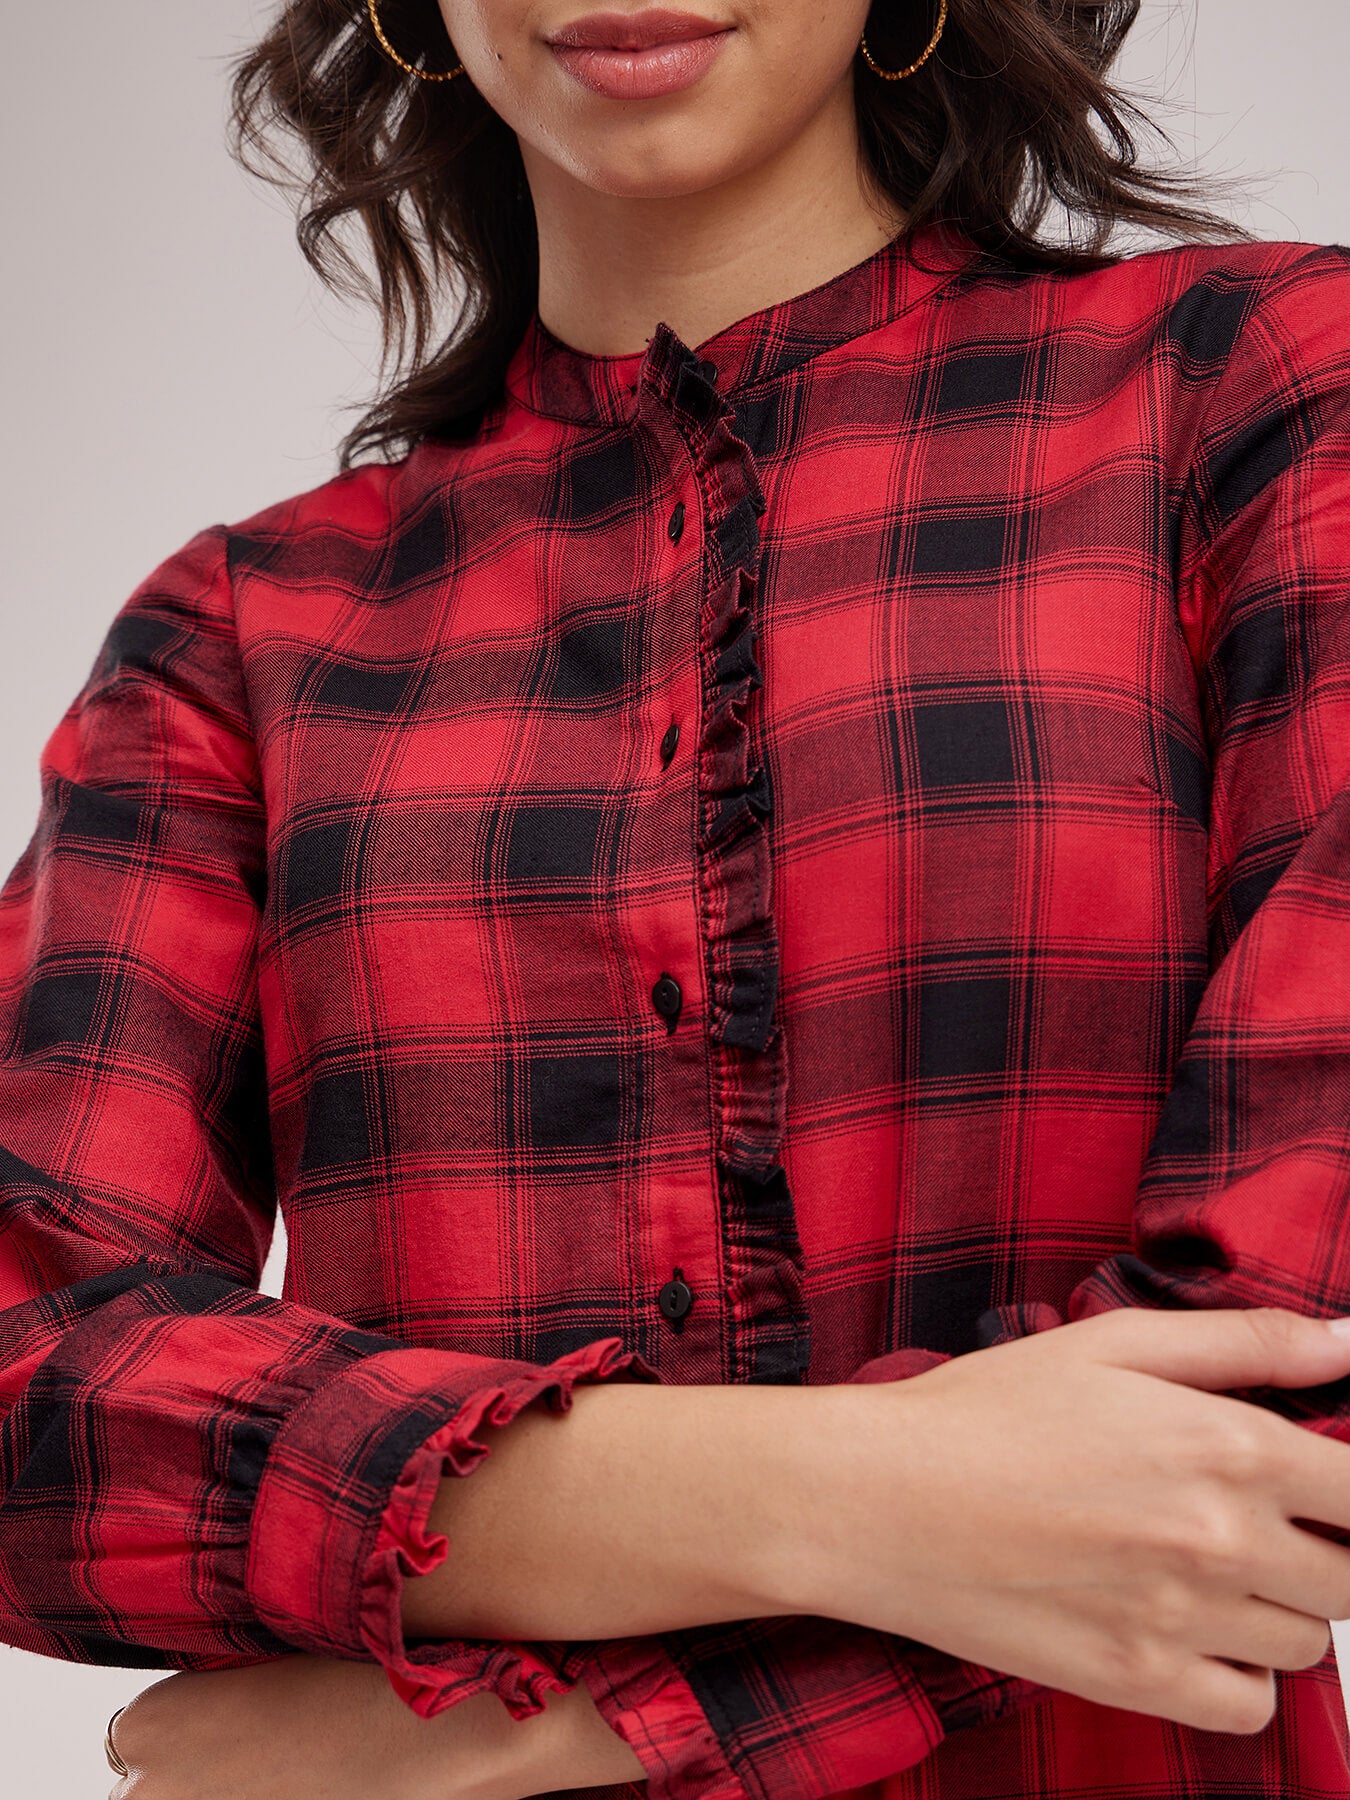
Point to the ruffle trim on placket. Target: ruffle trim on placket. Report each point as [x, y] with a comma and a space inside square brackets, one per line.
[769, 1329]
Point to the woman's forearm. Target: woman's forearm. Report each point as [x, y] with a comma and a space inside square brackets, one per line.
[645, 1508]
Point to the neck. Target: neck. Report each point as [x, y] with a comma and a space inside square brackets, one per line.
[612, 265]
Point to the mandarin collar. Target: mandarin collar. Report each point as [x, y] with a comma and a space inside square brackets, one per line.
[552, 377]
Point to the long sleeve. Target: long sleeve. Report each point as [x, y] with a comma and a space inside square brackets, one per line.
[1246, 1186]
[193, 1474]
[1245, 1193]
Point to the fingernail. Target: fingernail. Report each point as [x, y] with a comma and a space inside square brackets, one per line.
[1340, 1326]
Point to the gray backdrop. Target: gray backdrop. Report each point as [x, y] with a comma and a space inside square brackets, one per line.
[170, 362]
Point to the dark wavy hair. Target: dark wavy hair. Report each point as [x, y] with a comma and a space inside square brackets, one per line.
[1011, 115]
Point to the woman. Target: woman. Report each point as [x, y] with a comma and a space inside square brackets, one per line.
[787, 832]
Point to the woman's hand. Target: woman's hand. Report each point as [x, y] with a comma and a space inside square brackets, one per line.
[1074, 1508]
[315, 1728]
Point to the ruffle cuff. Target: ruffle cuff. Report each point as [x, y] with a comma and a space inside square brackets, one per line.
[345, 1499]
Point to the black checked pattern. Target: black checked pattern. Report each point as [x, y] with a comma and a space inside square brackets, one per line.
[942, 679]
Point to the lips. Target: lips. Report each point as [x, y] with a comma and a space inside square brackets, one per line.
[641, 74]
[639, 56]
[634, 31]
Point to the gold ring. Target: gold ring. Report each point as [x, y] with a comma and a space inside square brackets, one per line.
[114, 1760]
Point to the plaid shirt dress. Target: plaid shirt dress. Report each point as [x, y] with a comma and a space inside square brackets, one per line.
[788, 861]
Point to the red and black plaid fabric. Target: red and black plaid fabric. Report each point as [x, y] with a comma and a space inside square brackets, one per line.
[784, 862]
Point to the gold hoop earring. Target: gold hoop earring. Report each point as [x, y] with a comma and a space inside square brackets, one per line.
[388, 48]
[900, 74]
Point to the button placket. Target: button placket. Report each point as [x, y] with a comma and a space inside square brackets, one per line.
[765, 1323]
[676, 1297]
[768, 1322]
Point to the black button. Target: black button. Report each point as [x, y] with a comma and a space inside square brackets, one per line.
[709, 369]
[676, 525]
[676, 1297]
[667, 998]
[668, 743]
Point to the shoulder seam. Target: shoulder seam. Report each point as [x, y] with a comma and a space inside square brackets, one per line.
[227, 562]
[1264, 288]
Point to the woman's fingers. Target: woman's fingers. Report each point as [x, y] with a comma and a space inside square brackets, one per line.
[1293, 1568]
[1311, 1480]
[1215, 1696]
[1256, 1632]
[1222, 1349]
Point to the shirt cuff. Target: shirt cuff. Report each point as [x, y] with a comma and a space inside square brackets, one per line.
[343, 1504]
[640, 1694]
[765, 1709]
